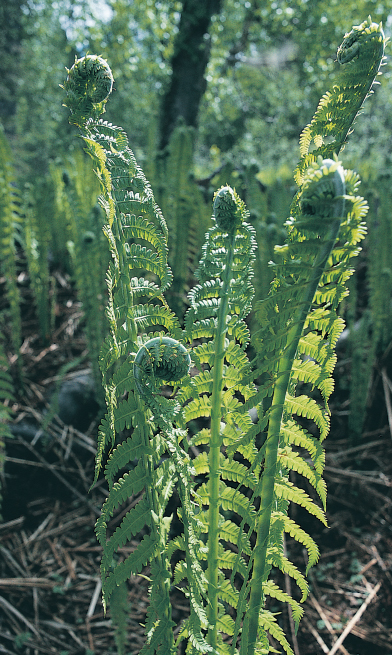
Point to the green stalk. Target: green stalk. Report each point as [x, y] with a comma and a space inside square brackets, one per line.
[250, 630]
[215, 448]
[153, 499]
[124, 281]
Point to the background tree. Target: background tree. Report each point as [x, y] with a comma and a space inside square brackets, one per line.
[189, 62]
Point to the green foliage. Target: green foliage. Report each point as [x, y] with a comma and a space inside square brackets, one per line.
[232, 475]
[63, 224]
[379, 263]
[186, 211]
[9, 231]
[37, 241]
[369, 322]
[360, 55]
[77, 193]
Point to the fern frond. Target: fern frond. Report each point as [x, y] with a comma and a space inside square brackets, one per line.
[292, 461]
[361, 54]
[271, 589]
[277, 559]
[290, 527]
[126, 452]
[133, 564]
[268, 622]
[9, 222]
[288, 491]
[132, 523]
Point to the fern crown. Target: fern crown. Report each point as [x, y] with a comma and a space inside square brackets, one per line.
[88, 86]
[364, 39]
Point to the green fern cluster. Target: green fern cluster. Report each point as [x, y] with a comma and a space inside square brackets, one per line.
[9, 232]
[186, 212]
[169, 430]
[77, 193]
[63, 226]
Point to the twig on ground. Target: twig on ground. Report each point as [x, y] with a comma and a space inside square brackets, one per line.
[316, 635]
[354, 620]
[94, 598]
[10, 608]
[327, 623]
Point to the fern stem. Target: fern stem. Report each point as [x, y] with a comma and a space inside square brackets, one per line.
[215, 447]
[163, 581]
[124, 277]
[249, 639]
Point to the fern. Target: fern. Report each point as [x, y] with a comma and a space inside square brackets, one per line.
[137, 237]
[9, 229]
[37, 255]
[186, 211]
[232, 475]
[311, 271]
[361, 54]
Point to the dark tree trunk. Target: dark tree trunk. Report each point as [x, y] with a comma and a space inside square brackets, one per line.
[191, 54]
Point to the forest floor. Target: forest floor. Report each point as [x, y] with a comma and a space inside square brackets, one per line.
[50, 599]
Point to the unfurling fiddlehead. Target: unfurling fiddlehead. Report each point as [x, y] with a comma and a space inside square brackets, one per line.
[361, 55]
[163, 358]
[228, 209]
[88, 86]
[364, 43]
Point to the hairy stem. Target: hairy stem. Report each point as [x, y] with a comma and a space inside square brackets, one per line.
[215, 446]
[249, 639]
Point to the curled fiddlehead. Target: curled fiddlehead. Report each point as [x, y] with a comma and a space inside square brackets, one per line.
[360, 55]
[323, 192]
[88, 86]
[228, 208]
[363, 42]
[162, 359]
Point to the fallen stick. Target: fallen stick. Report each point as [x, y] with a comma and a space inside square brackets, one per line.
[316, 635]
[354, 620]
[324, 618]
[41, 583]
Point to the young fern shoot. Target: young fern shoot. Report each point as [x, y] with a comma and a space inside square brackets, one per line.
[137, 237]
[361, 54]
[298, 331]
[232, 475]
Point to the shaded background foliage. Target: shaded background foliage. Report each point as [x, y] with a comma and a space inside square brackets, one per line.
[267, 65]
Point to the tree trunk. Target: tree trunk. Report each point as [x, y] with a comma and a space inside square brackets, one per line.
[191, 54]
